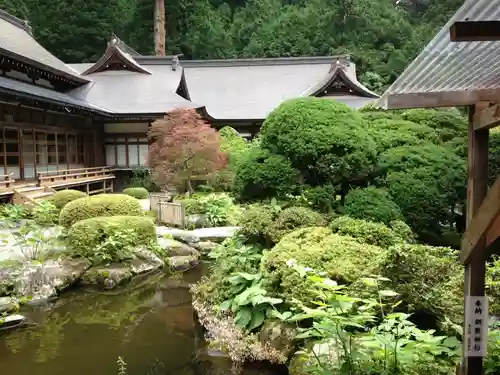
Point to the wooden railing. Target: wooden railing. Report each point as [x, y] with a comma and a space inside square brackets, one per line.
[74, 175]
[6, 180]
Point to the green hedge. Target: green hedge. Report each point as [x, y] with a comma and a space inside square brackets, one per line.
[85, 235]
[372, 204]
[137, 192]
[63, 197]
[99, 205]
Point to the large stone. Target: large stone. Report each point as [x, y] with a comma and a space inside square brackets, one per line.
[9, 273]
[7, 305]
[197, 221]
[218, 234]
[205, 246]
[306, 360]
[176, 248]
[185, 236]
[11, 321]
[108, 276]
[37, 281]
[280, 336]
[145, 261]
[70, 271]
[182, 263]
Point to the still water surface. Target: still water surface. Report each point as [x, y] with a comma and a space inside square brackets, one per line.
[150, 324]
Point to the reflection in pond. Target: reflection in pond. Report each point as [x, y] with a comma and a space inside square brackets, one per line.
[150, 325]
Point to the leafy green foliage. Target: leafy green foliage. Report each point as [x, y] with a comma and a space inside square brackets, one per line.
[45, 213]
[324, 139]
[103, 239]
[13, 212]
[367, 232]
[429, 280]
[218, 208]
[323, 198]
[229, 258]
[250, 304]
[372, 204]
[63, 197]
[264, 175]
[99, 205]
[141, 178]
[137, 192]
[351, 339]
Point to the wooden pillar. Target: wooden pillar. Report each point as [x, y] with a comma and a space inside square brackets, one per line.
[477, 187]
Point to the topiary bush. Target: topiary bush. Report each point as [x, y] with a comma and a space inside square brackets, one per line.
[323, 198]
[136, 192]
[256, 222]
[429, 280]
[99, 205]
[372, 204]
[324, 139]
[342, 258]
[448, 123]
[365, 231]
[85, 236]
[264, 175]
[293, 218]
[63, 197]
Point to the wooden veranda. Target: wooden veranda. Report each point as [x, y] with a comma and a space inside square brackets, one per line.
[461, 67]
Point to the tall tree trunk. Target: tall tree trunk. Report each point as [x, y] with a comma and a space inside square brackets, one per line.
[160, 27]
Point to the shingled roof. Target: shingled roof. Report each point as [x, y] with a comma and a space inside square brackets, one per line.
[17, 42]
[126, 92]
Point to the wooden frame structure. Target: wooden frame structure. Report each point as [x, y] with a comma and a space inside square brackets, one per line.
[449, 75]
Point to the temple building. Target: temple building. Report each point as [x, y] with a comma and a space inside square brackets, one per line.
[84, 125]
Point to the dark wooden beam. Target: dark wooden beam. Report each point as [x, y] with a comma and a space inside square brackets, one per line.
[481, 222]
[473, 31]
[440, 99]
[477, 187]
[488, 118]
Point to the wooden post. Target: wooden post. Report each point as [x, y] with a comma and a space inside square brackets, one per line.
[477, 187]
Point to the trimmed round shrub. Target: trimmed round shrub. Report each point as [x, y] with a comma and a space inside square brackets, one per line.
[448, 123]
[85, 235]
[255, 223]
[365, 231]
[137, 192]
[323, 198]
[293, 218]
[429, 280]
[403, 231]
[63, 197]
[324, 139]
[372, 204]
[341, 258]
[99, 205]
[264, 175]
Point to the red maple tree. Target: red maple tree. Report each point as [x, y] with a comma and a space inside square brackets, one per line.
[183, 148]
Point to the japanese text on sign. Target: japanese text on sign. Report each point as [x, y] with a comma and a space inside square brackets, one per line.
[476, 335]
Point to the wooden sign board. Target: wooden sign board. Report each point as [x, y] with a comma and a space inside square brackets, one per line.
[476, 319]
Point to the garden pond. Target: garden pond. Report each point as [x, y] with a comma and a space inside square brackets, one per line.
[150, 324]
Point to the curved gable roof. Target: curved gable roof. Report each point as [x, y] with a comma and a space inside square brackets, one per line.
[17, 42]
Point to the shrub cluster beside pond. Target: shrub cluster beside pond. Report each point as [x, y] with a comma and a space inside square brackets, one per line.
[346, 238]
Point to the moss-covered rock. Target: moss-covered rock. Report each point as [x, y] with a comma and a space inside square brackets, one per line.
[85, 235]
[342, 258]
[99, 205]
[63, 197]
[365, 231]
[137, 192]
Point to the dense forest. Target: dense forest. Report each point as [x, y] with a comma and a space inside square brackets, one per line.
[380, 35]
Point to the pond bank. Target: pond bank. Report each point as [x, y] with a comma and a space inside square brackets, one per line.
[150, 324]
